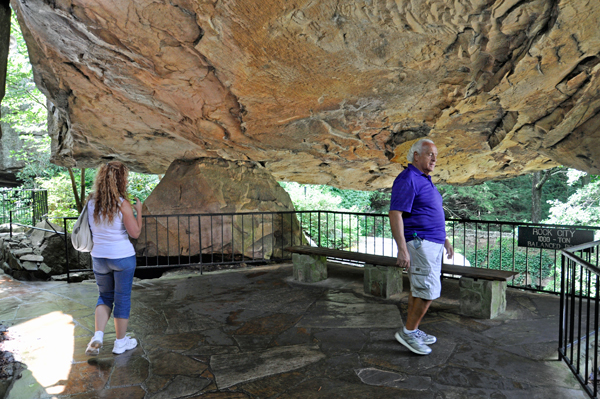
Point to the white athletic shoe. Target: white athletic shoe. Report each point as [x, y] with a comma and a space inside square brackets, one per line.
[127, 343]
[93, 348]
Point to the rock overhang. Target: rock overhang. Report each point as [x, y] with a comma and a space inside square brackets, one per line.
[322, 92]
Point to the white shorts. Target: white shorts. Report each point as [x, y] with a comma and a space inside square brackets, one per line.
[425, 269]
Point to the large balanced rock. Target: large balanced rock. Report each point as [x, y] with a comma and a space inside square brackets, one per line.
[325, 92]
[213, 188]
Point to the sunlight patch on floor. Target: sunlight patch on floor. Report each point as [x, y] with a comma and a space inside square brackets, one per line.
[45, 345]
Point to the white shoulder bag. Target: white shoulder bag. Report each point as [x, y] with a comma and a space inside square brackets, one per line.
[81, 237]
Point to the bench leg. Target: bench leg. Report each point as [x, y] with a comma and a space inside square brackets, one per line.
[309, 268]
[382, 281]
[482, 299]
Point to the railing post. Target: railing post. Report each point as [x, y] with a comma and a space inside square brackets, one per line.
[33, 204]
[319, 227]
[10, 223]
[66, 250]
[561, 313]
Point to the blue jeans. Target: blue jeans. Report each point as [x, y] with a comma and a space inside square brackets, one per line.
[114, 278]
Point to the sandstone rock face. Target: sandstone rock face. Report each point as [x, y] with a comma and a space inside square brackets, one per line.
[208, 186]
[325, 92]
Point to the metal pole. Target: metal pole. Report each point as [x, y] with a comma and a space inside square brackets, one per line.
[66, 250]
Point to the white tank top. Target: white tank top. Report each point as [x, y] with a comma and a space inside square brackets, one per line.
[111, 241]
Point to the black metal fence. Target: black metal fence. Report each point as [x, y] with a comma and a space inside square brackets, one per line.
[258, 237]
[579, 319]
[24, 206]
[211, 239]
[485, 244]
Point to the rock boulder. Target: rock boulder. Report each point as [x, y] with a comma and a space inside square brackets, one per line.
[217, 190]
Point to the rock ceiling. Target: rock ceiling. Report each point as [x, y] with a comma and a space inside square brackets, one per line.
[324, 92]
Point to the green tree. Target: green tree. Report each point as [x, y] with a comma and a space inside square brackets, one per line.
[307, 197]
[24, 109]
[24, 106]
[35, 156]
[506, 200]
[580, 208]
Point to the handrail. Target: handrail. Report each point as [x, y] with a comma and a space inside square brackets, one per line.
[582, 262]
[583, 246]
[539, 269]
[578, 326]
[39, 228]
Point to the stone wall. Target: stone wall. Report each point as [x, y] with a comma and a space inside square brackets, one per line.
[38, 255]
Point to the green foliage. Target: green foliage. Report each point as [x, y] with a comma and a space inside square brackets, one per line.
[310, 197]
[315, 197]
[526, 262]
[506, 200]
[380, 201]
[581, 208]
[351, 199]
[35, 155]
[61, 201]
[537, 268]
[337, 230]
[141, 185]
[23, 106]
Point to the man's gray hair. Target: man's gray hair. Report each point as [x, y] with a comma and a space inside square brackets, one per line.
[418, 148]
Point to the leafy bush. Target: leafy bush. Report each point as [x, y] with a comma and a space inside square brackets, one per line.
[61, 202]
[526, 262]
[141, 185]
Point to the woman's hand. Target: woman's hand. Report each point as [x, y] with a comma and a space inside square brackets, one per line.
[138, 206]
[133, 224]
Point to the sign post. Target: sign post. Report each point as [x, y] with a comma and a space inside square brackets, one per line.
[552, 238]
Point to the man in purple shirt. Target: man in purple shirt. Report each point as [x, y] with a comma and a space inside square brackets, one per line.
[418, 226]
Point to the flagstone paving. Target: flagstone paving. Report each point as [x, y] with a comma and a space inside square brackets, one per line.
[256, 333]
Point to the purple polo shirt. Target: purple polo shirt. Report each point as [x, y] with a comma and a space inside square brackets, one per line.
[414, 194]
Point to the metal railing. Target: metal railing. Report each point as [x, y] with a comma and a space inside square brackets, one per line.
[485, 244]
[494, 245]
[23, 206]
[579, 318]
[212, 239]
[259, 237]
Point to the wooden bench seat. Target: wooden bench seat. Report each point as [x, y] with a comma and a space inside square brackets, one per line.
[482, 291]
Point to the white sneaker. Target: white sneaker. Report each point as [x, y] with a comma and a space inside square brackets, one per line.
[93, 348]
[127, 343]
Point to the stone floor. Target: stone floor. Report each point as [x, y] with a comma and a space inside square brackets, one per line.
[255, 333]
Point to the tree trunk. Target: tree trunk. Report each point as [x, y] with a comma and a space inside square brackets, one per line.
[82, 196]
[586, 179]
[4, 44]
[75, 193]
[537, 182]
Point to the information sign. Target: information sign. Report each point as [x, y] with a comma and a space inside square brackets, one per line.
[552, 238]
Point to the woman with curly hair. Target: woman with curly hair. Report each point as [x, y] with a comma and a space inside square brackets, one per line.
[112, 221]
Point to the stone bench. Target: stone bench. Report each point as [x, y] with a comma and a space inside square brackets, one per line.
[482, 291]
